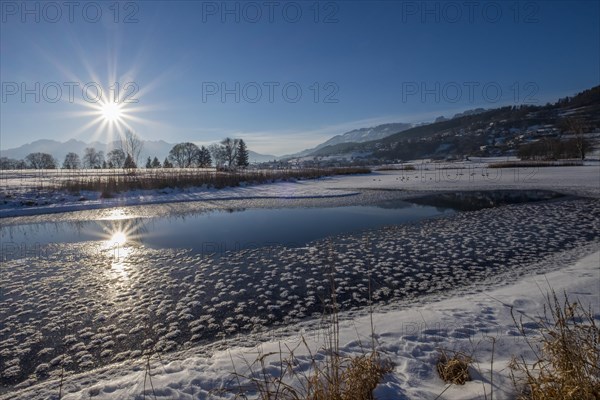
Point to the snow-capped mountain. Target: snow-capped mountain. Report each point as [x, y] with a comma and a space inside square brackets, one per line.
[358, 136]
[367, 134]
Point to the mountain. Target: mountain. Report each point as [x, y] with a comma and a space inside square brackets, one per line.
[151, 148]
[255, 157]
[56, 148]
[357, 136]
[366, 134]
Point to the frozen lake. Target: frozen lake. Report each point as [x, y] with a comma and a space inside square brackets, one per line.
[215, 231]
[101, 290]
[235, 229]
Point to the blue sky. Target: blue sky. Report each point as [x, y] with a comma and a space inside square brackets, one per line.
[355, 64]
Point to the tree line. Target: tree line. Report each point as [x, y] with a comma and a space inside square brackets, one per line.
[577, 146]
[227, 154]
[554, 149]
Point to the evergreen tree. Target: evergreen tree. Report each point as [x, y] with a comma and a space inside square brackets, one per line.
[149, 163]
[156, 163]
[167, 163]
[129, 163]
[204, 158]
[242, 155]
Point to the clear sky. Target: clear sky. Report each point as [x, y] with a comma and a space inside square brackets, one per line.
[282, 75]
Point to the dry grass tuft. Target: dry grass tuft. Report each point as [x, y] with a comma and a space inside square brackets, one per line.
[567, 353]
[362, 376]
[455, 369]
[336, 378]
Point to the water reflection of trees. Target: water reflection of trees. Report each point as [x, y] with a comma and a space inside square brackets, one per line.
[182, 212]
[393, 204]
[477, 200]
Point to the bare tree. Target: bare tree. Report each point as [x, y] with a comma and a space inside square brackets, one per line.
[217, 153]
[100, 162]
[132, 145]
[578, 128]
[11, 163]
[40, 161]
[72, 161]
[116, 158]
[92, 158]
[230, 150]
[184, 155]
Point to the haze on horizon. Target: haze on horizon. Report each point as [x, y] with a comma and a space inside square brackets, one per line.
[284, 78]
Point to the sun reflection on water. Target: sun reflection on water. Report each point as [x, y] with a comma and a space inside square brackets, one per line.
[120, 238]
[120, 262]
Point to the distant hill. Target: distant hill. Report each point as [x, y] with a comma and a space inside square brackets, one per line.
[470, 112]
[356, 136]
[478, 132]
[151, 148]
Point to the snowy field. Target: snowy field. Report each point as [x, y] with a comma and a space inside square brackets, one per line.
[19, 195]
[438, 283]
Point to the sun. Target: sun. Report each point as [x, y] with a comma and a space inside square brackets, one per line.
[111, 112]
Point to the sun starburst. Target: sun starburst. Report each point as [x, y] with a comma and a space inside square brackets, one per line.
[111, 111]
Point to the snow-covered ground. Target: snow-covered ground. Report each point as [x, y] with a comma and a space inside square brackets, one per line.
[468, 270]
